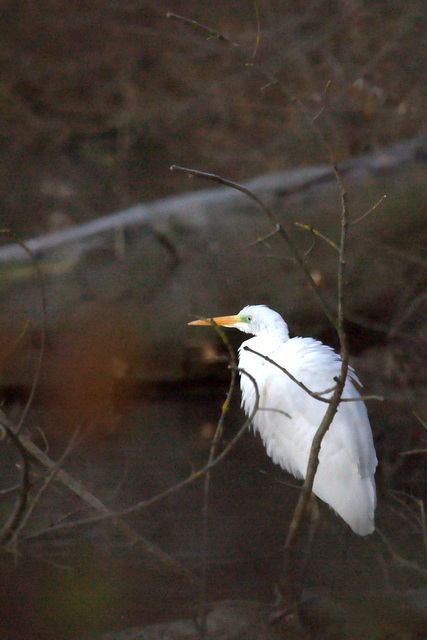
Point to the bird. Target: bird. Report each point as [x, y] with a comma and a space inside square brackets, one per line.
[287, 417]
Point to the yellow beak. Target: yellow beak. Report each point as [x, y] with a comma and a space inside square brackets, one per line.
[224, 321]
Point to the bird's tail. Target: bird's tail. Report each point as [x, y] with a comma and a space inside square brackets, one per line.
[354, 500]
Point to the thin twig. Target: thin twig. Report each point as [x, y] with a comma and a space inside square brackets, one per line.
[419, 520]
[12, 525]
[322, 108]
[76, 487]
[279, 228]
[398, 559]
[317, 234]
[212, 33]
[313, 461]
[53, 472]
[275, 232]
[313, 394]
[362, 217]
[207, 479]
[143, 504]
[317, 395]
[43, 298]
[258, 29]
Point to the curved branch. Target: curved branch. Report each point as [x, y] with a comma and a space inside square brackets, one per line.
[30, 450]
[143, 504]
[279, 229]
[42, 289]
[16, 518]
[317, 395]
[207, 480]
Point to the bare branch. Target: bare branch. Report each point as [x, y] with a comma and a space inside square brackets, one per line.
[322, 108]
[31, 450]
[317, 234]
[47, 481]
[275, 232]
[42, 290]
[317, 395]
[207, 479]
[143, 504]
[313, 394]
[198, 25]
[366, 214]
[313, 461]
[12, 525]
[398, 559]
[279, 228]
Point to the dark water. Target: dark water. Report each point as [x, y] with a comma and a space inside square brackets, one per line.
[93, 578]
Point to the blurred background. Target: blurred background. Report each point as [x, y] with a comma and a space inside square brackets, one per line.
[98, 100]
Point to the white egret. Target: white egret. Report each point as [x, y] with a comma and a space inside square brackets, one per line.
[288, 417]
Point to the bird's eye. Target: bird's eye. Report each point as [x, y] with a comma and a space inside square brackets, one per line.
[249, 318]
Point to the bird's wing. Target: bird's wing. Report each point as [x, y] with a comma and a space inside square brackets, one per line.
[315, 365]
[288, 418]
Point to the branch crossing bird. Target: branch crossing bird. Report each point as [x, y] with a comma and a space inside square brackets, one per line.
[288, 417]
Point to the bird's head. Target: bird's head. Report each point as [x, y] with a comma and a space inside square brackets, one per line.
[258, 320]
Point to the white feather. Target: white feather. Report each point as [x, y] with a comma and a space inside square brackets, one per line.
[288, 417]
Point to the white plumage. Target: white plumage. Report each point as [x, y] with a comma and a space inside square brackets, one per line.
[288, 417]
